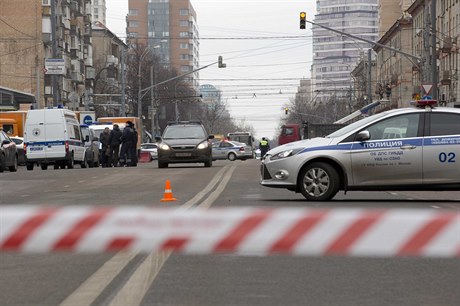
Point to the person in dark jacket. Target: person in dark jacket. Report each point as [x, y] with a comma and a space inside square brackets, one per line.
[104, 139]
[134, 147]
[114, 142]
[127, 143]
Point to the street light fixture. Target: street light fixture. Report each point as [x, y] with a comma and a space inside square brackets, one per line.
[139, 92]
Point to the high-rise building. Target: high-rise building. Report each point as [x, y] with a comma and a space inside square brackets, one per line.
[336, 55]
[98, 11]
[169, 28]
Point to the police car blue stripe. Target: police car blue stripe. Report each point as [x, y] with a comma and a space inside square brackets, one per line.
[388, 144]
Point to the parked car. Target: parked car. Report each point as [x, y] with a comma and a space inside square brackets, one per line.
[19, 141]
[152, 148]
[231, 150]
[184, 142]
[8, 153]
[92, 145]
[400, 149]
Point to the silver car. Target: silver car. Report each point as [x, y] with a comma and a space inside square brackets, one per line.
[401, 149]
[231, 150]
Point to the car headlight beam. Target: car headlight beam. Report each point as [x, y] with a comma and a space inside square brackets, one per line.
[202, 145]
[164, 147]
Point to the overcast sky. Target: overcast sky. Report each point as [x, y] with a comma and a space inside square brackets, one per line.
[263, 70]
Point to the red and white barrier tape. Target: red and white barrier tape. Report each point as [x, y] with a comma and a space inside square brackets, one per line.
[243, 231]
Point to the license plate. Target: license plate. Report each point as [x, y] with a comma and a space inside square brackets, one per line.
[36, 148]
[183, 154]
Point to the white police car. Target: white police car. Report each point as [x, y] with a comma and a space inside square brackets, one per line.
[401, 149]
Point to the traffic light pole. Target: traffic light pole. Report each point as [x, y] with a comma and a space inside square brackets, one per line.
[366, 40]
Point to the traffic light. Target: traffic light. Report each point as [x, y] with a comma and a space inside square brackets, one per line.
[286, 110]
[303, 15]
[220, 62]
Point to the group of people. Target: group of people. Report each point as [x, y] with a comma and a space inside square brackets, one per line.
[111, 140]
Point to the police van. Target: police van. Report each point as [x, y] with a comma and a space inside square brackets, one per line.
[53, 137]
[401, 149]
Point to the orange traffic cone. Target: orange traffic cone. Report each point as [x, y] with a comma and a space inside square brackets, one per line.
[168, 196]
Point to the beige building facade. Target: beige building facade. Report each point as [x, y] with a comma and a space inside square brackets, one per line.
[21, 48]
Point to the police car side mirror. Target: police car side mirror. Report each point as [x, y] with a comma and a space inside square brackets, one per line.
[87, 138]
[211, 137]
[363, 136]
[5, 142]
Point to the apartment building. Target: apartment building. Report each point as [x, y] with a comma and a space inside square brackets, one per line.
[389, 12]
[335, 55]
[169, 29]
[108, 50]
[396, 70]
[22, 52]
[98, 11]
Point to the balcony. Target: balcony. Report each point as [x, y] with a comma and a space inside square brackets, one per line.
[90, 73]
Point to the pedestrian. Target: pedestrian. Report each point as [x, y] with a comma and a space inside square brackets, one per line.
[114, 142]
[127, 143]
[134, 147]
[105, 143]
[264, 146]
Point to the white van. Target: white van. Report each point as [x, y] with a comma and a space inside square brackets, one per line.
[53, 136]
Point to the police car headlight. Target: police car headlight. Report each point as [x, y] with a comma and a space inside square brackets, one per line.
[285, 154]
[164, 147]
[202, 145]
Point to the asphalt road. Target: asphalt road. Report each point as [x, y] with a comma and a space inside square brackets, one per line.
[172, 279]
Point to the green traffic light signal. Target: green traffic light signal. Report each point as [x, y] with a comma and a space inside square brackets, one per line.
[303, 21]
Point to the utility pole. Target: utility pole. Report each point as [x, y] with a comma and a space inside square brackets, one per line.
[123, 98]
[434, 59]
[54, 80]
[152, 103]
[369, 75]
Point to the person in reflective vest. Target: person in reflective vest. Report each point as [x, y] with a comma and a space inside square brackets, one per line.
[264, 146]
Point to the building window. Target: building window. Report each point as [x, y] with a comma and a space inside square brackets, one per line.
[183, 12]
[133, 24]
[184, 56]
[46, 2]
[185, 68]
[183, 34]
[96, 10]
[133, 12]
[183, 46]
[96, 2]
[183, 23]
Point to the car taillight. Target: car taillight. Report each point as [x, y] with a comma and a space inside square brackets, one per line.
[25, 147]
[242, 149]
[66, 147]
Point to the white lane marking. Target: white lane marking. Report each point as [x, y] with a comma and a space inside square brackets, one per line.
[434, 206]
[141, 280]
[88, 291]
[136, 287]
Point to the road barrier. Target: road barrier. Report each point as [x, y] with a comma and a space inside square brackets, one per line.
[243, 231]
[144, 157]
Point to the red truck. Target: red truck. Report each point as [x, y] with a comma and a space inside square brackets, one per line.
[294, 131]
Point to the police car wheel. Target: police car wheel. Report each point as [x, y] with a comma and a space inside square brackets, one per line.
[231, 156]
[319, 182]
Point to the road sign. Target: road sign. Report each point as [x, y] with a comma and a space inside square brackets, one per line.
[88, 119]
[54, 66]
[427, 88]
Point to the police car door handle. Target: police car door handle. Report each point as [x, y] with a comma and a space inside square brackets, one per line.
[408, 147]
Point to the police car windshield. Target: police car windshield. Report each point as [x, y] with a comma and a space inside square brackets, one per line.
[355, 125]
[181, 132]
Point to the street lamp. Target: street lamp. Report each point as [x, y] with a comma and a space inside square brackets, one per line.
[139, 92]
